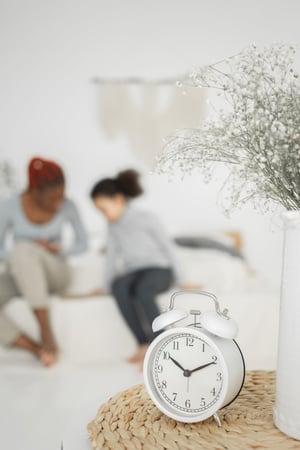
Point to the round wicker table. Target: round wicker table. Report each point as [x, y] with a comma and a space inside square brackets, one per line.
[130, 420]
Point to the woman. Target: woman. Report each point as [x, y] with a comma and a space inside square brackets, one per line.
[136, 241]
[36, 266]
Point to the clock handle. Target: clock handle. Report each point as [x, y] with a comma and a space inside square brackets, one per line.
[206, 294]
[216, 322]
[172, 316]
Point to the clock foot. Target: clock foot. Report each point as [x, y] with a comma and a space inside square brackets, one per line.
[217, 419]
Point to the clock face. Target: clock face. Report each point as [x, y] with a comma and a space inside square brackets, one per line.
[187, 373]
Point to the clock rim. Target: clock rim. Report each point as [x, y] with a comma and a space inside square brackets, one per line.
[149, 379]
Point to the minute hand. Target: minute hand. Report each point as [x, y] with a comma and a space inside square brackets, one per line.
[202, 367]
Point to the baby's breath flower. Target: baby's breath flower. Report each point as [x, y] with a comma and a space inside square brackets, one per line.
[257, 137]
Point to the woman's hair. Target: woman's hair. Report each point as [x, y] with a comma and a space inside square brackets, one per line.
[126, 183]
[43, 174]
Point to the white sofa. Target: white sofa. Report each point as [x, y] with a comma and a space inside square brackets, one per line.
[90, 330]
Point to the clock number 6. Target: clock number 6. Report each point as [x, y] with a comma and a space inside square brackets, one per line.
[187, 403]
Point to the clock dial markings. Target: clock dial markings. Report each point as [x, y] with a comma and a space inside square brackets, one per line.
[175, 345]
[200, 391]
[166, 355]
[189, 341]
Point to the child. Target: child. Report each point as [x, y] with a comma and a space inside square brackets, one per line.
[137, 241]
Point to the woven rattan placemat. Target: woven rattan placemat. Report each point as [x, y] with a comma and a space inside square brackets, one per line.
[130, 420]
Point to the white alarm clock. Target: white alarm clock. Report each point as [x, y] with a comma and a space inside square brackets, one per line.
[191, 372]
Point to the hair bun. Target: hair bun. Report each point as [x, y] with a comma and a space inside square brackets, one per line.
[128, 183]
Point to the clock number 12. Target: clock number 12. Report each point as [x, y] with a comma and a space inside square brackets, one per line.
[189, 342]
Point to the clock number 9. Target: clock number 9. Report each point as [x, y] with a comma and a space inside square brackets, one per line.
[160, 368]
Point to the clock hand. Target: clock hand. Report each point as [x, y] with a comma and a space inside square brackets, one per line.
[202, 367]
[188, 384]
[186, 372]
[177, 363]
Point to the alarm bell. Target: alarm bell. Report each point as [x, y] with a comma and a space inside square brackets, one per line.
[168, 318]
[219, 324]
[216, 322]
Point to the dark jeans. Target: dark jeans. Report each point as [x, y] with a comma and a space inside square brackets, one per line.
[135, 294]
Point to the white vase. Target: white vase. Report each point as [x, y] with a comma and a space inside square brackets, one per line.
[287, 402]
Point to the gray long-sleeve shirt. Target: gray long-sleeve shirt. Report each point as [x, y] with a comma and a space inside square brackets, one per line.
[14, 220]
[137, 241]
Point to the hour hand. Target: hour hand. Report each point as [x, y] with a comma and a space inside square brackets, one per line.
[177, 363]
[202, 367]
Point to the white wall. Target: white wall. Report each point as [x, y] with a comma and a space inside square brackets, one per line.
[51, 49]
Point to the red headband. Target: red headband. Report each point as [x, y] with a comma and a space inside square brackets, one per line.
[44, 173]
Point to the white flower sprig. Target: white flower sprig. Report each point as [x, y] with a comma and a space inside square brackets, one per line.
[258, 137]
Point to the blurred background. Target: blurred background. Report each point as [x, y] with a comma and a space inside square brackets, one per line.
[52, 51]
[92, 85]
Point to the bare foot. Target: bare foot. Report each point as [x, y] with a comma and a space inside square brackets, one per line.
[138, 357]
[48, 352]
[25, 343]
[46, 355]
[48, 349]
[191, 287]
